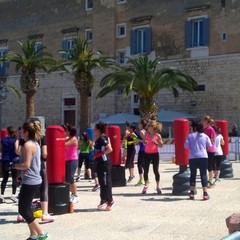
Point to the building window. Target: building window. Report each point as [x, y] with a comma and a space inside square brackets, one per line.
[224, 36]
[4, 66]
[121, 1]
[197, 32]
[120, 91]
[88, 35]
[67, 44]
[121, 57]
[69, 109]
[121, 30]
[38, 46]
[141, 40]
[89, 5]
[200, 88]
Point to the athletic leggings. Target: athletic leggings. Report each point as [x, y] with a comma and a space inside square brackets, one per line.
[5, 174]
[154, 158]
[140, 161]
[210, 161]
[25, 201]
[202, 164]
[44, 186]
[217, 162]
[105, 179]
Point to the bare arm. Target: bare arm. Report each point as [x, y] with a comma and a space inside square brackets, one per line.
[71, 141]
[28, 150]
[44, 151]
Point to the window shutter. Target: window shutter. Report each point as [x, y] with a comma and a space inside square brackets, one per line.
[4, 66]
[188, 34]
[206, 31]
[133, 42]
[148, 40]
[65, 48]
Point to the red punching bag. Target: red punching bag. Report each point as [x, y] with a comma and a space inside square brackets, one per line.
[114, 133]
[55, 137]
[181, 131]
[3, 132]
[223, 125]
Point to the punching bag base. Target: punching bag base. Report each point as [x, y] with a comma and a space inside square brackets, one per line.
[58, 202]
[118, 176]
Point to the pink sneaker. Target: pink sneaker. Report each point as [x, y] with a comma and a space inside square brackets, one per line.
[47, 218]
[110, 205]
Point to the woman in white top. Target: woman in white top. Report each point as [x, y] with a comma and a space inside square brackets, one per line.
[219, 141]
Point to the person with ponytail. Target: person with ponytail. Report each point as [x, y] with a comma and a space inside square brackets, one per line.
[31, 178]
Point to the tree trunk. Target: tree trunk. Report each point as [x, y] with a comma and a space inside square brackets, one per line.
[30, 105]
[148, 109]
[84, 111]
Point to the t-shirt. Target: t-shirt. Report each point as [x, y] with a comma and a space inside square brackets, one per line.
[210, 132]
[198, 143]
[8, 149]
[217, 143]
[100, 146]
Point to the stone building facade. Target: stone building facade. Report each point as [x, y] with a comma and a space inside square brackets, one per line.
[199, 37]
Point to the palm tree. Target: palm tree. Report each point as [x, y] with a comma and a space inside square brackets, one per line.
[31, 60]
[82, 61]
[143, 77]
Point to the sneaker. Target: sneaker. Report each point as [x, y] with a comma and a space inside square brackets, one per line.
[77, 179]
[191, 195]
[96, 187]
[32, 238]
[14, 198]
[205, 196]
[44, 236]
[217, 180]
[47, 218]
[144, 191]
[159, 191]
[139, 183]
[110, 205]
[130, 179]
[74, 199]
[102, 204]
[2, 199]
[20, 218]
[211, 183]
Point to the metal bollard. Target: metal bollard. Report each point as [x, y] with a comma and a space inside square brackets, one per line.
[233, 236]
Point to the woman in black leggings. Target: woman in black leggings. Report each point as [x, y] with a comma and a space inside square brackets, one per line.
[8, 147]
[31, 179]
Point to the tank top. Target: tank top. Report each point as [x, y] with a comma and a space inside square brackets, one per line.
[141, 144]
[32, 176]
[71, 152]
[150, 147]
[8, 149]
[84, 147]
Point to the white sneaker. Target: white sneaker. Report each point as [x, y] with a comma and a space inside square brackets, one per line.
[14, 198]
[74, 199]
[2, 199]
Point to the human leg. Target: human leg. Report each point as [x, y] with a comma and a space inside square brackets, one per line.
[203, 166]
[210, 168]
[155, 162]
[5, 176]
[193, 164]
[140, 167]
[218, 161]
[25, 201]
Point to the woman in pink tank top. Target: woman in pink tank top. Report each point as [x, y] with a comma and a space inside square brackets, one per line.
[71, 158]
[153, 141]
